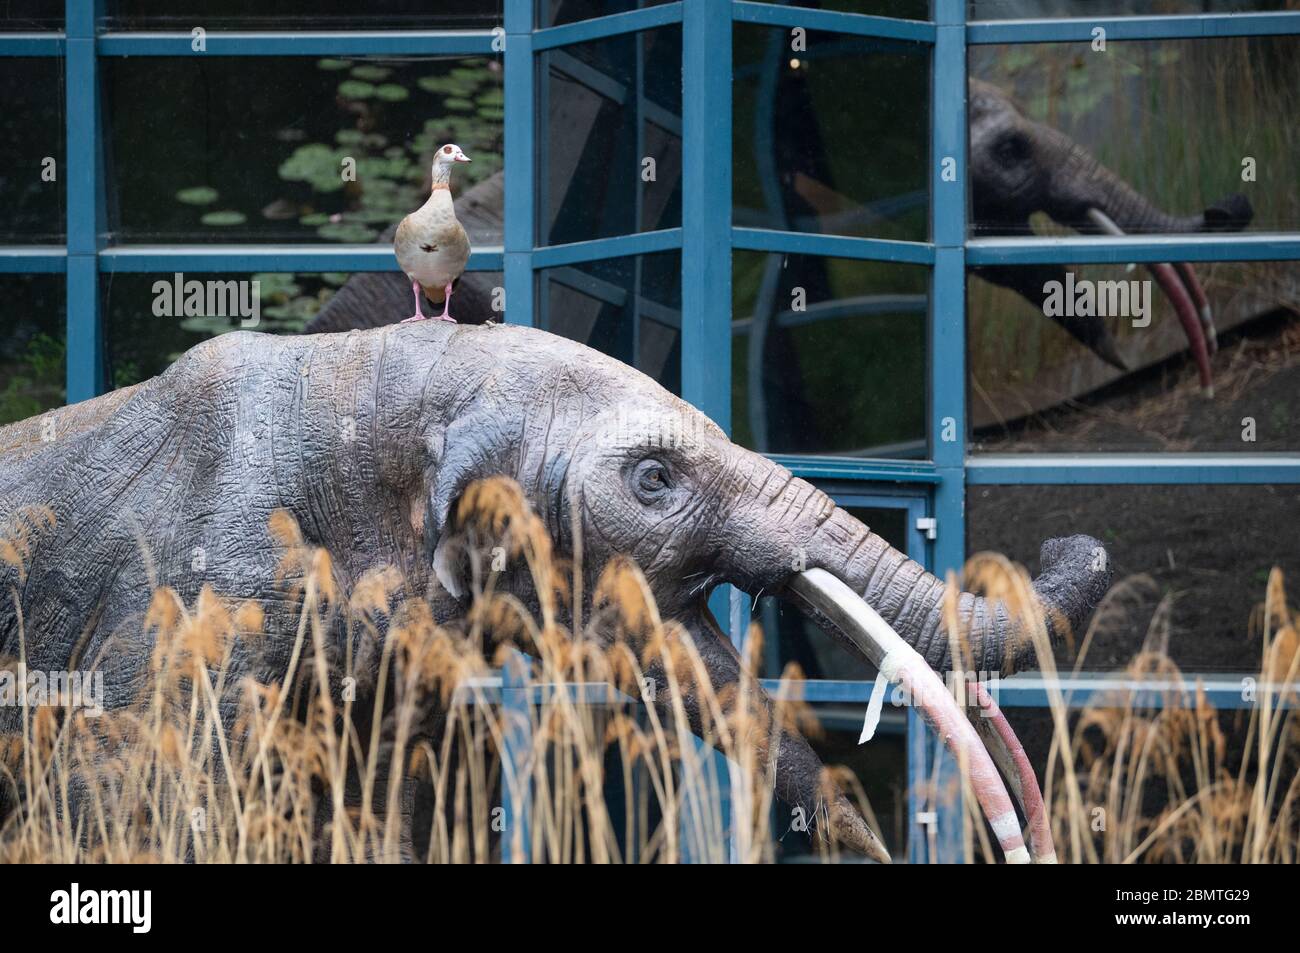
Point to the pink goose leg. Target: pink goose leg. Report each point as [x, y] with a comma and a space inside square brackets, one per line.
[446, 308]
[419, 315]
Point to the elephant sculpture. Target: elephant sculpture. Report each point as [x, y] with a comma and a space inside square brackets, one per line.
[369, 438]
[1019, 167]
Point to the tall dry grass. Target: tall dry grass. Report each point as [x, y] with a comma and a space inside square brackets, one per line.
[340, 759]
[1159, 775]
[391, 748]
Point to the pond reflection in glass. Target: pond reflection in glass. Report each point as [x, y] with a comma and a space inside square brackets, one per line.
[140, 343]
[220, 149]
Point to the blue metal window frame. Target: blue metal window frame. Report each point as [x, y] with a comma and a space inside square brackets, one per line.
[706, 241]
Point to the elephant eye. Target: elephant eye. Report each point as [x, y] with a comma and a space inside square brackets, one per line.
[1013, 148]
[651, 478]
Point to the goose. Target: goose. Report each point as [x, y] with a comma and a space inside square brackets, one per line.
[430, 245]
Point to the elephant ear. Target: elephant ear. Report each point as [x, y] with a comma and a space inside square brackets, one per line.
[471, 448]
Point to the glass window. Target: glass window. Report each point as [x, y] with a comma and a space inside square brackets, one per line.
[831, 136]
[32, 346]
[1190, 562]
[559, 12]
[829, 355]
[32, 170]
[21, 16]
[611, 137]
[1036, 386]
[1168, 136]
[629, 308]
[293, 149]
[303, 15]
[903, 9]
[1030, 9]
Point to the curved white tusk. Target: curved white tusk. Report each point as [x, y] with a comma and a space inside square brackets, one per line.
[901, 663]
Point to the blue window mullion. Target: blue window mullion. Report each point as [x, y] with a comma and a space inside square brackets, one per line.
[706, 207]
[520, 171]
[935, 828]
[85, 362]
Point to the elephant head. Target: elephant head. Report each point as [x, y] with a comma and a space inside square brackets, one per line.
[371, 438]
[1019, 167]
[605, 454]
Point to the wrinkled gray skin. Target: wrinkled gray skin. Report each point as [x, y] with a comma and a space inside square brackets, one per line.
[368, 438]
[1019, 167]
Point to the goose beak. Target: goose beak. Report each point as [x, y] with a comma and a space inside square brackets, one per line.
[462, 158]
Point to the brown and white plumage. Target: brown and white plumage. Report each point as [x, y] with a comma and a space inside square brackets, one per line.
[431, 245]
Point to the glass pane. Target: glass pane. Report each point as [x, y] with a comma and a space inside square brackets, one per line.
[558, 12]
[32, 173]
[802, 119]
[901, 9]
[21, 16]
[790, 637]
[613, 157]
[1030, 9]
[1036, 387]
[148, 327]
[303, 15]
[828, 355]
[264, 157]
[32, 338]
[1166, 136]
[1190, 562]
[629, 308]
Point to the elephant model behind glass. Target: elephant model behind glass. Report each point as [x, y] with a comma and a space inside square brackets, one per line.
[369, 438]
[1019, 167]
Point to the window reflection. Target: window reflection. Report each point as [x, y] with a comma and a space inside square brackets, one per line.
[1170, 136]
[266, 156]
[832, 137]
[32, 346]
[1029, 9]
[303, 15]
[828, 355]
[628, 308]
[1190, 562]
[612, 149]
[1036, 387]
[144, 334]
[32, 178]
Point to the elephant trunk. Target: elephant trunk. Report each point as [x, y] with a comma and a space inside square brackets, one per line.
[1080, 183]
[1075, 576]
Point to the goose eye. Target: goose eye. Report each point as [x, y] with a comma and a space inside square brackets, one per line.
[447, 149]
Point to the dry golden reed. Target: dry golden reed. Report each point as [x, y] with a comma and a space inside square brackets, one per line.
[209, 763]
